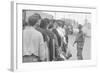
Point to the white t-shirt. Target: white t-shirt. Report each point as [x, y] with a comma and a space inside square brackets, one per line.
[33, 42]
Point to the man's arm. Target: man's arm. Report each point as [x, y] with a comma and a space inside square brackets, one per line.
[74, 43]
[42, 49]
[76, 39]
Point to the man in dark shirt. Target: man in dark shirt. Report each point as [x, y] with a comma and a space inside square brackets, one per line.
[44, 25]
[80, 42]
[61, 43]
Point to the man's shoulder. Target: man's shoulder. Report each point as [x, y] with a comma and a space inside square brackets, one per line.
[41, 30]
[50, 32]
[36, 32]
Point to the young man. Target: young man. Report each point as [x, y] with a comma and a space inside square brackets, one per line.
[80, 42]
[45, 36]
[52, 28]
[64, 39]
[44, 25]
[33, 44]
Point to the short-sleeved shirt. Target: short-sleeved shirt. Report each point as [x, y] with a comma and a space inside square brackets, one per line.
[33, 42]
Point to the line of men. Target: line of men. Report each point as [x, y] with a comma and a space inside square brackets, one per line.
[45, 40]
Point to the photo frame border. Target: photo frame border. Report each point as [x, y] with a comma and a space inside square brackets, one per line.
[15, 66]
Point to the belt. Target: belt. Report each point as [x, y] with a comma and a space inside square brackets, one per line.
[32, 55]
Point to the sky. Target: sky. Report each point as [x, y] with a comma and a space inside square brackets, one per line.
[76, 16]
[79, 17]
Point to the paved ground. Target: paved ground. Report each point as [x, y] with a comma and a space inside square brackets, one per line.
[86, 49]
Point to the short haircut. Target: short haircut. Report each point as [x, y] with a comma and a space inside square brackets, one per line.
[52, 23]
[33, 19]
[80, 26]
[60, 23]
[44, 23]
[37, 15]
[53, 20]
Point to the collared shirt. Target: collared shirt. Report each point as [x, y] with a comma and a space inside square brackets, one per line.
[33, 42]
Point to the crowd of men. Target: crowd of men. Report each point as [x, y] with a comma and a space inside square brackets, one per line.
[47, 40]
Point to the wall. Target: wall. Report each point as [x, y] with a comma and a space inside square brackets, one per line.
[5, 35]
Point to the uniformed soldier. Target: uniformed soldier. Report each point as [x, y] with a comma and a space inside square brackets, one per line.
[80, 42]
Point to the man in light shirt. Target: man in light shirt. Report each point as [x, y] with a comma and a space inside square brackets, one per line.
[33, 44]
[64, 43]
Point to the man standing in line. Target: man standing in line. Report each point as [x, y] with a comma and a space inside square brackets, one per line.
[80, 42]
[44, 34]
[33, 43]
[44, 25]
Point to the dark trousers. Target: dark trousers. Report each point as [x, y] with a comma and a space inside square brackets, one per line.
[64, 48]
[79, 53]
[50, 50]
[30, 58]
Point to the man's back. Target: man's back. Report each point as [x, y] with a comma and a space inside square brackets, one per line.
[50, 43]
[32, 42]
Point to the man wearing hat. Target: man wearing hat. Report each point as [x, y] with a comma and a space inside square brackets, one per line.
[80, 42]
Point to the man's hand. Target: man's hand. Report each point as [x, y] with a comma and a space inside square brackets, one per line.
[74, 43]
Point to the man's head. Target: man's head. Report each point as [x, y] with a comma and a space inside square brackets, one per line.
[52, 24]
[80, 27]
[44, 23]
[55, 24]
[34, 19]
[39, 19]
[37, 16]
[60, 23]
